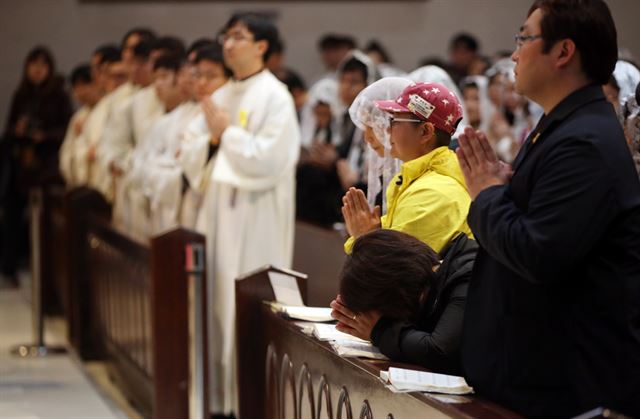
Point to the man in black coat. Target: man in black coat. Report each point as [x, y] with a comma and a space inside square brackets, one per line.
[552, 324]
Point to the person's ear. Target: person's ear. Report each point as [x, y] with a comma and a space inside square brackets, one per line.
[564, 52]
[427, 133]
[263, 46]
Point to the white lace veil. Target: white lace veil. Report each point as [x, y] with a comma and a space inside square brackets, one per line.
[364, 113]
[627, 76]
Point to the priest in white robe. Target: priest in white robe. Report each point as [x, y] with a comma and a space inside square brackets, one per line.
[112, 74]
[248, 214]
[86, 94]
[196, 154]
[132, 212]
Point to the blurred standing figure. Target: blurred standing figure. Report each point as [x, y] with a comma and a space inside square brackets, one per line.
[251, 124]
[463, 52]
[38, 117]
[86, 94]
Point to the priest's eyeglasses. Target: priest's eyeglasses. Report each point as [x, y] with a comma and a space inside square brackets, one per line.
[521, 39]
[235, 36]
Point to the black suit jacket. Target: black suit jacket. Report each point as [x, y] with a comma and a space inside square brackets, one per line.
[552, 324]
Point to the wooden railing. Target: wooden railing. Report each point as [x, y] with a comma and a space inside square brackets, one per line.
[284, 373]
[129, 305]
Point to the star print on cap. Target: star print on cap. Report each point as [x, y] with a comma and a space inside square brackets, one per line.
[431, 102]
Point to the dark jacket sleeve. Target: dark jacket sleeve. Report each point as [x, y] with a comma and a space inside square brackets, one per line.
[438, 350]
[570, 206]
[12, 118]
[60, 114]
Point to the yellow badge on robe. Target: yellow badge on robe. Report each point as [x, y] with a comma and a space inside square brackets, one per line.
[243, 118]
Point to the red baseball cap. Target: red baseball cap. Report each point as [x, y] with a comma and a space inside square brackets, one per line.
[431, 102]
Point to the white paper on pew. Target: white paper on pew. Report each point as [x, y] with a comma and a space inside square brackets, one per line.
[305, 327]
[285, 288]
[328, 332]
[403, 380]
[350, 348]
[311, 314]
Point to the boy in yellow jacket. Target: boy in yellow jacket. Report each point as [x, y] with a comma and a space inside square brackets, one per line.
[428, 199]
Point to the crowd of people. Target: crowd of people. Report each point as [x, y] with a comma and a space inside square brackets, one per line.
[521, 162]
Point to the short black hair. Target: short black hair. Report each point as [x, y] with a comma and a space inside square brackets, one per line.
[170, 45]
[353, 64]
[443, 138]
[466, 41]
[145, 34]
[588, 23]
[260, 27]
[387, 271]
[200, 43]
[334, 41]
[142, 50]
[293, 80]
[375, 46]
[212, 53]
[169, 62]
[638, 94]
[108, 53]
[80, 74]
[278, 46]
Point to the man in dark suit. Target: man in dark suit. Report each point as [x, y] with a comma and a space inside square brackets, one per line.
[552, 326]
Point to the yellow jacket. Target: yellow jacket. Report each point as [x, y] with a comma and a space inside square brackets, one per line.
[428, 199]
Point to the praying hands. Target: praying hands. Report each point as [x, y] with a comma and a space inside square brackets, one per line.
[217, 119]
[358, 217]
[480, 166]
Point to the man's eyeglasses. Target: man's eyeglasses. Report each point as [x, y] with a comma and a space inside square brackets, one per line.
[235, 36]
[393, 120]
[521, 39]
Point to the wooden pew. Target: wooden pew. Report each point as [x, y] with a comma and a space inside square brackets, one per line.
[282, 373]
[130, 307]
[319, 252]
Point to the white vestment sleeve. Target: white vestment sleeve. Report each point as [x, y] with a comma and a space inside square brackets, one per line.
[256, 161]
[194, 151]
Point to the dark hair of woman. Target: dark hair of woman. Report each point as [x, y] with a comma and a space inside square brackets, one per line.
[39, 53]
[387, 271]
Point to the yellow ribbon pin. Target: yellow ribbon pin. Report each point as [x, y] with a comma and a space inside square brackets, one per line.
[243, 118]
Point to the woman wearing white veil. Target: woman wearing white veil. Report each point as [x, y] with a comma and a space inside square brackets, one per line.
[332, 165]
[381, 167]
[627, 76]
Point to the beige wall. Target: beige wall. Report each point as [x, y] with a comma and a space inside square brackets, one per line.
[409, 29]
